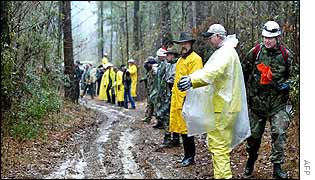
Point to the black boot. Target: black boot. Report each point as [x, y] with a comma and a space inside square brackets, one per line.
[175, 140]
[187, 162]
[167, 141]
[278, 173]
[159, 125]
[250, 166]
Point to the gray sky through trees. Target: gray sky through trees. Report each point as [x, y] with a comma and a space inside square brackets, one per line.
[84, 26]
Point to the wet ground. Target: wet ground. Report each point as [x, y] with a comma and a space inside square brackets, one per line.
[118, 145]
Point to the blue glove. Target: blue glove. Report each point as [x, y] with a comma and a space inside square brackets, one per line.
[184, 83]
[283, 86]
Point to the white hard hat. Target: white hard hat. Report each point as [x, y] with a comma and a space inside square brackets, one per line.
[131, 61]
[161, 52]
[105, 54]
[214, 29]
[271, 29]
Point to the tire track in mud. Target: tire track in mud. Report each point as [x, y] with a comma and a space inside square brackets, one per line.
[105, 153]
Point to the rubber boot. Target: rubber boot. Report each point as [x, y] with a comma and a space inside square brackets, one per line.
[278, 173]
[167, 141]
[175, 140]
[250, 166]
[159, 125]
[189, 150]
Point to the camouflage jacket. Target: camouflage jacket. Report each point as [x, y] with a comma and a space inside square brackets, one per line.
[170, 72]
[150, 85]
[266, 99]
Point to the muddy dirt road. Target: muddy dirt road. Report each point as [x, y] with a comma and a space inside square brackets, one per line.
[117, 144]
[122, 146]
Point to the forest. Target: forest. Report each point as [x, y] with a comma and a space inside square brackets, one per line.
[41, 41]
[37, 66]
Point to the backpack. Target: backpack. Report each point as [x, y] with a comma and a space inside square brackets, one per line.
[283, 50]
[256, 53]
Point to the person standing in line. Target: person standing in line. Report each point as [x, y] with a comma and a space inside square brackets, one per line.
[267, 71]
[77, 77]
[127, 89]
[99, 76]
[88, 81]
[149, 82]
[228, 104]
[120, 86]
[158, 70]
[105, 59]
[170, 139]
[110, 80]
[188, 63]
[132, 68]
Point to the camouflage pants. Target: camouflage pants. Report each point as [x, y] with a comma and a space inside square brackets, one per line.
[149, 110]
[279, 123]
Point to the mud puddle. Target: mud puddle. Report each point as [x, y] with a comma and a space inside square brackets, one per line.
[103, 153]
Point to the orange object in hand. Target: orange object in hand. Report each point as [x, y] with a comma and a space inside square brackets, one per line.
[266, 74]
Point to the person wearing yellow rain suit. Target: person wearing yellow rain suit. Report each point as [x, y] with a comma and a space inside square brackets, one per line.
[120, 87]
[104, 59]
[223, 83]
[189, 62]
[108, 80]
[102, 92]
[132, 68]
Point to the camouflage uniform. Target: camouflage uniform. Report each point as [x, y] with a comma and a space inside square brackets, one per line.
[162, 105]
[266, 101]
[169, 79]
[149, 79]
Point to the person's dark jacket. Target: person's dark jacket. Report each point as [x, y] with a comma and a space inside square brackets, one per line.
[127, 79]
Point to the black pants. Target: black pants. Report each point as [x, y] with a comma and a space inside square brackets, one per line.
[108, 93]
[189, 146]
[91, 89]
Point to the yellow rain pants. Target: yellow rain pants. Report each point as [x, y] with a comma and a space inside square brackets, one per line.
[219, 144]
[134, 76]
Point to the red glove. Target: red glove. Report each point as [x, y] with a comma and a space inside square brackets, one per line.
[266, 74]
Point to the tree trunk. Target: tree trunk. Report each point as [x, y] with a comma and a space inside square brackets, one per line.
[68, 50]
[234, 17]
[122, 32]
[183, 16]
[201, 10]
[59, 29]
[194, 16]
[100, 32]
[188, 16]
[127, 34]
[136, 25]
[111, 30]
[165, 23]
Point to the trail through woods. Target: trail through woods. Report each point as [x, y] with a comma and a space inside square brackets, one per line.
[113, 142]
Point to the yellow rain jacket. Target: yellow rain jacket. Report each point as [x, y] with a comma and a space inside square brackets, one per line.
[105, 82]
[102, 94]
[184, 67]
[223, 73]
[119, 86]
[104, 60]
[134, 76]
